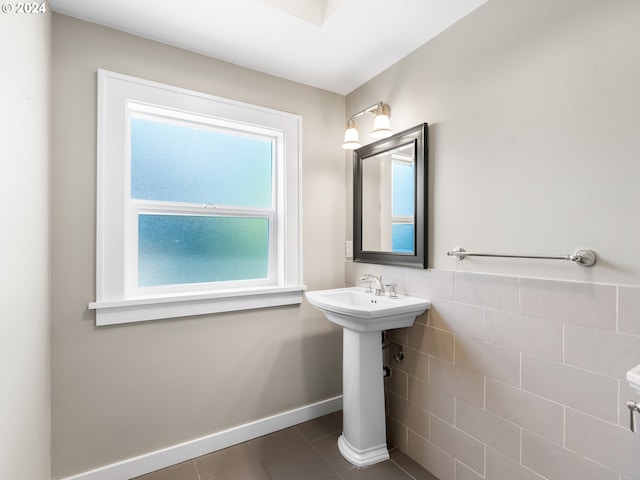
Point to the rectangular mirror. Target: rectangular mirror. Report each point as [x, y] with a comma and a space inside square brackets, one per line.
[390, 179]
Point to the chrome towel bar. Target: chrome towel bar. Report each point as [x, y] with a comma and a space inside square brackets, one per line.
[583, 257]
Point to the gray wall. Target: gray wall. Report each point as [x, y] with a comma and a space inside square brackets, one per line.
[123, 391]
[518, 369]
[24, 245]
[533, 120]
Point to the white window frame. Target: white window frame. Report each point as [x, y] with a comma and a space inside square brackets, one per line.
[118, 299]
[401, 159]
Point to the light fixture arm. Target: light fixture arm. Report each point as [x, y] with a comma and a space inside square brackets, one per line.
[373, 107]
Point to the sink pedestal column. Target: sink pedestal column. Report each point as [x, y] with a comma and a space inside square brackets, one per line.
[363, 441]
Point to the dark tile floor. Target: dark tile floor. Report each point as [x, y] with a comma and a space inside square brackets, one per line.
[307, 451]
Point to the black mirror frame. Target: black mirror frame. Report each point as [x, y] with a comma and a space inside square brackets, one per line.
[417, 135]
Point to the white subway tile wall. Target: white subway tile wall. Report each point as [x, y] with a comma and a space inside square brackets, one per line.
[509, 378]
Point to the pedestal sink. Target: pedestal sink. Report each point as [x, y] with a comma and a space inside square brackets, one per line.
[633, 377]
[363, 316]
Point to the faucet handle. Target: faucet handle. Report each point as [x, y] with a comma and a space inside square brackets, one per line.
[368, 284]
[391, 288]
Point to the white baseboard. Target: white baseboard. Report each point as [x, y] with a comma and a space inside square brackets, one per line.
[150, 462]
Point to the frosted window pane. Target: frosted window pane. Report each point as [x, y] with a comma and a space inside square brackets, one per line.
[174, 163]
[403, 189]
[402, 235]
[179, 249]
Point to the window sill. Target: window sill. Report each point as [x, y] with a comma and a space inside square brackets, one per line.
[173, 306]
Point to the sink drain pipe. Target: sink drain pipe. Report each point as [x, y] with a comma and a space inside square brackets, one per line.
[398, 356]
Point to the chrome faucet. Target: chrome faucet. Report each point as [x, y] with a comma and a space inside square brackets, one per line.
[379, 291]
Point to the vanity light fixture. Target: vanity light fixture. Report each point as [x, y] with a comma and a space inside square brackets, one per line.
[351, 137]
[381, 122]
[381, 125]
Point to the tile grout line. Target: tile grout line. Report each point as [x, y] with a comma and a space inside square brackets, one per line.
[315, 449]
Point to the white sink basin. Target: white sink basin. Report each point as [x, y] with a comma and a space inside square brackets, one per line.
[633, 377]
[354, 309]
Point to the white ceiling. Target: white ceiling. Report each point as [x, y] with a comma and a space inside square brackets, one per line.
[336, 45]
